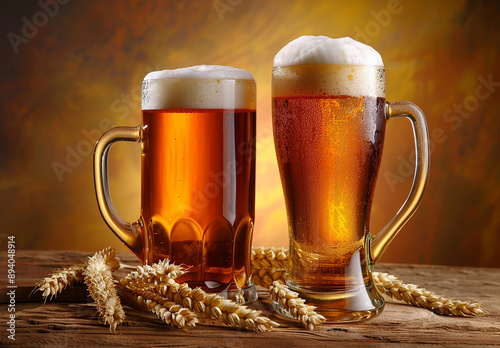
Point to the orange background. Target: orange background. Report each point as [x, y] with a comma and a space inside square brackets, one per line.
[80, 72]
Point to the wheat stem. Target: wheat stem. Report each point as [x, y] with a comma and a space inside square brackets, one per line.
[412, 294]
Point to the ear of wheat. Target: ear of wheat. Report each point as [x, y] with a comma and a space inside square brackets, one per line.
[152, 275]
[56, 282]
[412, 294]
[293, 304]
[166, 310]
[266, 276]
[101, 287]
[213, 305]
[276, 258]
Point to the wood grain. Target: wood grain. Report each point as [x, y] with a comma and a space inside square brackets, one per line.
[70, 320]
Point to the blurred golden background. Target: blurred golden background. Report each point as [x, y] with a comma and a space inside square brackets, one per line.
[72, 69]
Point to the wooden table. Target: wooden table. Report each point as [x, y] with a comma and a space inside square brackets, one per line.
[71, 320]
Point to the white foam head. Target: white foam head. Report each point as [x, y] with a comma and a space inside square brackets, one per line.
[324, 50]
[319, 65]
[199, 87]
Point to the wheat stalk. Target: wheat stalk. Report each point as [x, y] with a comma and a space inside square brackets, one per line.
[99, 281]
[291, 302]
[412, 294]
[148, 275]
[57, 281]
[212, 305]
[166, 310]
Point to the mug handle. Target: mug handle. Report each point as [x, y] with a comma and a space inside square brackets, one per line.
[412, 112]
[129, 233]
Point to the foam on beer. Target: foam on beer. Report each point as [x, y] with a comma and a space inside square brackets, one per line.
[199, 87]
[319, 65]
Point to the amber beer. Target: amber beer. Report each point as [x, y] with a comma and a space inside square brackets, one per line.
[329, 117]
[198, 173]
[328, 146]
[198, 190]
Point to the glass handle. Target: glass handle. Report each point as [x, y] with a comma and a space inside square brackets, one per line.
[409, 110]
[129, 233]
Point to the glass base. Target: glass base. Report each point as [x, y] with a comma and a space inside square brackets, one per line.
[245, 295]
[340, 307]
[241, 296]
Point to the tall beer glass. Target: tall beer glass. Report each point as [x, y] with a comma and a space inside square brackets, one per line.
[198, 176]
[329, 118]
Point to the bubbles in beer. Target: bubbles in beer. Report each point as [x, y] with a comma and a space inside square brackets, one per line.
[329, 150]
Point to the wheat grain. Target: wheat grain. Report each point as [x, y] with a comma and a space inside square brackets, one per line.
[291, 302]
[269, 258]
[212, 305]
[412, 294]
[101, 288]
[266, 276]
[148, 275]
[216, 307]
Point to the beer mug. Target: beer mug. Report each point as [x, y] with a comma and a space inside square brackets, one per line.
[198, 176]
[329, 117]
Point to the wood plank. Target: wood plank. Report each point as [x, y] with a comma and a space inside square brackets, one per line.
[75, 324]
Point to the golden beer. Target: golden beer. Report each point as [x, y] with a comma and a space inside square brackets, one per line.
[329, 118]
[329, 150]
[198, 192]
